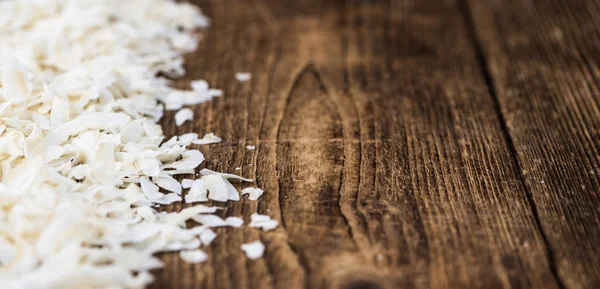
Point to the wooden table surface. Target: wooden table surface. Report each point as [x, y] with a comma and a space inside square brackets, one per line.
[404, 143]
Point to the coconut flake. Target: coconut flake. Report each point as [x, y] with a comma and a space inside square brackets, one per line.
[183, 115]
[243, 76]
[186, 183]
[189, 160]
[217, 187]
[168, 183]
[232, 193]
[262, 221]
[96, 120]
[193, 256]
[250, 147]
[208, 139]
[234, 221]
[83, 161]
[253, 193]
[188, 138]
[210, 221]
[254, 250]
[197, 193]
[207, 172]
[207, 236]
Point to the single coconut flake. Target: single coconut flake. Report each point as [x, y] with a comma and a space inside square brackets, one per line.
[183, 115]
[234, 221]
[250, 147]
[207, 236]
[262, 221]
[217, 188]
[193, 256]
[168, 183]
[197, 192]
[254, 250]
[190, 159]
[243, 76]
[207, 172]
[232, 193]
[253, 193]
[208, 139]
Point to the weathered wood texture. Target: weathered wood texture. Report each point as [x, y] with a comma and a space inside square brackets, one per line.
[543, 62]
[402, 144]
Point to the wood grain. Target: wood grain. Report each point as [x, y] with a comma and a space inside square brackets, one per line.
[543, 59]
[382, 147]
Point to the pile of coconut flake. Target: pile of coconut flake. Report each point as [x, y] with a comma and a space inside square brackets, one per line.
[81, 156]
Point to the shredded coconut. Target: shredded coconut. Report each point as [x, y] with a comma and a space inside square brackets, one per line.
[83, 161]
[253, 250]
[83, 164]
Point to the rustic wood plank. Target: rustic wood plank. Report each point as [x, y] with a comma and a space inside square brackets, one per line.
[471, 204]
[378, 146]
[543, 59]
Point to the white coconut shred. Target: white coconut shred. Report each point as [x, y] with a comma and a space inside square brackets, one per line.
[82, 161]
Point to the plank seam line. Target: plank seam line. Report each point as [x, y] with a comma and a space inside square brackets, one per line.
[489, 81]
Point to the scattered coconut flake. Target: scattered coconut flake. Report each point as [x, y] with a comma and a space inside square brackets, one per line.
[243, 76]
[208, 139]
[262, 221]
[201, 87]
[207, 172]
[253, 193]
[183, 115]
[234, 221]
[193, 256]
[254, 250]
[188, 138]
[83, 164]
[250, 147]
[238, 169]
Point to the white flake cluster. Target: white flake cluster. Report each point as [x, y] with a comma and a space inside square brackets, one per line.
[82, 161]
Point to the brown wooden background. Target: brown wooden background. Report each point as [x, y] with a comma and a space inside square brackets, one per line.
[404, 144]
